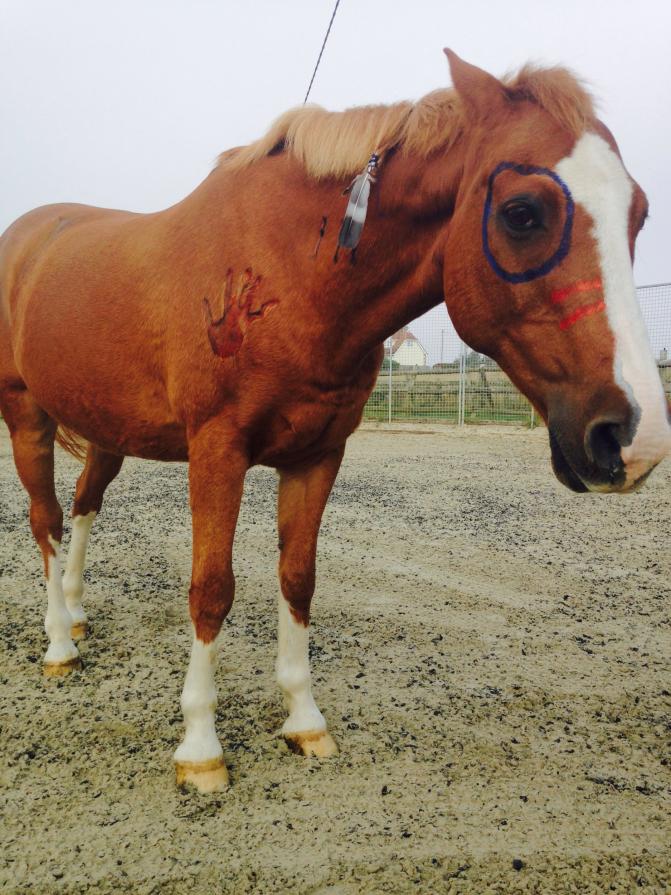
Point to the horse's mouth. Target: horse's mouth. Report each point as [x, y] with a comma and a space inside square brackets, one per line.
[562, 468]
[593, 479]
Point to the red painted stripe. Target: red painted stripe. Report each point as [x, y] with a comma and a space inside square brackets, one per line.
[579, 313]
[559, 295]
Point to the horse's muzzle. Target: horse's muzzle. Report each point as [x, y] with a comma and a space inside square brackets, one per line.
[590, 459]
[607, 441]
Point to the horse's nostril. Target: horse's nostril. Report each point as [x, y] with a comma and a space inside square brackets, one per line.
[602, 445]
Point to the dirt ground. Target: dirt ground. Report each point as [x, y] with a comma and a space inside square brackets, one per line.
[490, 650]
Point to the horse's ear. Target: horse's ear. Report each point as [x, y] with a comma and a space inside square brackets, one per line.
[480, 92]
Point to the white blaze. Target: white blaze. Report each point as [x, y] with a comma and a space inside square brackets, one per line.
[597, 180]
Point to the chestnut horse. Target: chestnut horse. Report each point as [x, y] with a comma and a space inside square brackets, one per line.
[228, 331]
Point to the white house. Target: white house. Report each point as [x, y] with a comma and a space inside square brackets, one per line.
[407, 350]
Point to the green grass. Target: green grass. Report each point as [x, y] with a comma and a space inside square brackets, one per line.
[421, 404]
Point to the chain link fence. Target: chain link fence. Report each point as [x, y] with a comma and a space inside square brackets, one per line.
[429, 374]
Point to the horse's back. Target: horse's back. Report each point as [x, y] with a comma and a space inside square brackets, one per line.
[71, 307]
[19, 248]
[25, 245]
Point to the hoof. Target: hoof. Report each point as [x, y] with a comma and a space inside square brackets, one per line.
[206, 776]
[60, 669]
[79, 631]
[319, 743]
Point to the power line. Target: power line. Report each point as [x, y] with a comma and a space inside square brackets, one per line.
[319, 58]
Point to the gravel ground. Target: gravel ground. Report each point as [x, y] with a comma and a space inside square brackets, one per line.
[491, 651]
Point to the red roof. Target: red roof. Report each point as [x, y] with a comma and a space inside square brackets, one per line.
[403, 335]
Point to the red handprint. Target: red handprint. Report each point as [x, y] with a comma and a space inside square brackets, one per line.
[227, 334]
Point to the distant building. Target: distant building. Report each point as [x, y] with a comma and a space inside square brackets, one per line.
[407, 350]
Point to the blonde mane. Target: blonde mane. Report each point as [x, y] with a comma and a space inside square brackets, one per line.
[339, 144]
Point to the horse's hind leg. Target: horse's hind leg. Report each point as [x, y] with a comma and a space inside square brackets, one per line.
[303, 493]
[100, 469]
[32, 432]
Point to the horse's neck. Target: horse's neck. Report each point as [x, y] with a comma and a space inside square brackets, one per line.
[268, 218]
[398, 273]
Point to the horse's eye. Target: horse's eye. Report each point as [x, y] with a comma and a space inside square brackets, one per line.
[521, 216]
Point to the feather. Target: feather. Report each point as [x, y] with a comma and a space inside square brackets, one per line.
[355, 214]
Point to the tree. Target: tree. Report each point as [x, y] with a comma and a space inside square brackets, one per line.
[385, 364]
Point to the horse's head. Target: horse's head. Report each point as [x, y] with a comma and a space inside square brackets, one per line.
[538, 274]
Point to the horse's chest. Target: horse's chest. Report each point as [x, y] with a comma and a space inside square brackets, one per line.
[300, 429]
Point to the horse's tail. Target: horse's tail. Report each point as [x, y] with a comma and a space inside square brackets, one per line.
[72, 443]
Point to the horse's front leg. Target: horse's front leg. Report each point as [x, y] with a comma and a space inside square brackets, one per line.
[216, 476]
[303, 493]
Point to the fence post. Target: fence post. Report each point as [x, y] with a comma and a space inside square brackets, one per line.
[461, 408]
[390, 381]
[532, 420]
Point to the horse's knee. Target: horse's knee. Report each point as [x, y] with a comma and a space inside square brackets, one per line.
[210, 601]
[101, 468]
[298, 586]
[85, 503]
[82, 507]
[46, 522]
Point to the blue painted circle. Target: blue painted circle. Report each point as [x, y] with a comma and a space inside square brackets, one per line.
[532, 273]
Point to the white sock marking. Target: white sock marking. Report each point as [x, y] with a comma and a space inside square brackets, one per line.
[199, 701]
[293, 674]
[73, 579]
[598, 181]
[57, 621]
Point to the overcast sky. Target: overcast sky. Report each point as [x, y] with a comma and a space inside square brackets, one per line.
[126, 103]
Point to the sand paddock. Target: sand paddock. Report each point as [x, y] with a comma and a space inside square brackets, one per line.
[491, 653]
